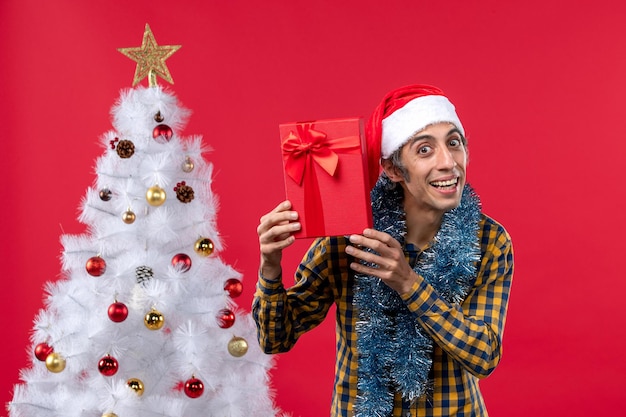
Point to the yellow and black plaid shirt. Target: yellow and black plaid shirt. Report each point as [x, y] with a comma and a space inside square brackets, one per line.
[467, 337]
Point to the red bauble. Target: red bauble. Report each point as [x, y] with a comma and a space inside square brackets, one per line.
[181, 261]
[118, 312]
[225, 318]
[162, 133]
[234, 287]
[42, 350]
[108, 366]
[194, 388]
[96, 266]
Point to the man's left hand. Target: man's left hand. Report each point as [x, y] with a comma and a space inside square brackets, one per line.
[391, 265]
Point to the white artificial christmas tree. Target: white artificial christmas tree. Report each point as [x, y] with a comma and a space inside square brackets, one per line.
[143, 323]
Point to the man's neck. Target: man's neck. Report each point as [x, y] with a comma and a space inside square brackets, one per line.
[421, 226]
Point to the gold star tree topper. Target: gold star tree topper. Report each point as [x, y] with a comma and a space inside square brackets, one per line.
[150, 59]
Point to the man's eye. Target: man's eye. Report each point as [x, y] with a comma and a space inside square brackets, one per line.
[455, 142]
[423, 149]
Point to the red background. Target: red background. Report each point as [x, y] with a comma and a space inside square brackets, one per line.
[539, 86]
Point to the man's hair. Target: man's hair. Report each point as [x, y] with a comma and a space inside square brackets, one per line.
[396, 160]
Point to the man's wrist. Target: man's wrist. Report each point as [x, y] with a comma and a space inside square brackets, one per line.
[410, 286]
[270, 274]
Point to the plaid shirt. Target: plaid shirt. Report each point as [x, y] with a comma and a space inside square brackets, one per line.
[467, 337]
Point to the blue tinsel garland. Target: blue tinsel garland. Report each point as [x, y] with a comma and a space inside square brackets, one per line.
[395, 353]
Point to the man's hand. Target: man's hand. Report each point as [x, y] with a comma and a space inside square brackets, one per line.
[274, 230]
[392, 267]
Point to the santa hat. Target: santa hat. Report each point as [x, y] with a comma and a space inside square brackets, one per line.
[401, 114]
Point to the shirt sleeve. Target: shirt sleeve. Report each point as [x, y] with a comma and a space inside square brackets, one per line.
[283, 315]
[471, 333]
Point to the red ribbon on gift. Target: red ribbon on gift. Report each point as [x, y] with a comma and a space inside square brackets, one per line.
[303, 148]
[312, 145]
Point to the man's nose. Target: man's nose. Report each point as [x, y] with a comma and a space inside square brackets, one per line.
[445, 159]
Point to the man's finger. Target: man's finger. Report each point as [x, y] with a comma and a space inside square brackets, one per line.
[381, 237]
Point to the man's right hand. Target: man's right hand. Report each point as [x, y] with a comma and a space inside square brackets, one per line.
[275, 233]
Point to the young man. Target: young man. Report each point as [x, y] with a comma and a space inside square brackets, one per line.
[422, 297]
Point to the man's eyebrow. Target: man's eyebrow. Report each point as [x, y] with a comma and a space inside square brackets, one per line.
[417, 136]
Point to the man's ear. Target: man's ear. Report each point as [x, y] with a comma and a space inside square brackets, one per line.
[392, 171]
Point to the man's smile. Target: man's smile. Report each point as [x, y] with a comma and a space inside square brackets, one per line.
[450, 183]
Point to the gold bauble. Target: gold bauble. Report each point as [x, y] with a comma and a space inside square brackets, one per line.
[154, 320]
[55, 362]
[204, 246]
[136, 385]
[188, 165]
[128, 217]
[109, 415]
[155, 196]
[237, 346]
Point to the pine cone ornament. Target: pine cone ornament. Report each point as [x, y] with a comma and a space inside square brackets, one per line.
[143, 274]
[125, 148]
[184, 193]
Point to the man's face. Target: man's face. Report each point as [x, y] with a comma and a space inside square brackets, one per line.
[435, 159]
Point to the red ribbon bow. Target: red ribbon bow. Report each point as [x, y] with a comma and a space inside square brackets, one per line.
[312, 145]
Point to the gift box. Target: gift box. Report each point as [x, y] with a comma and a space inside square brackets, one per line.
[326, 179]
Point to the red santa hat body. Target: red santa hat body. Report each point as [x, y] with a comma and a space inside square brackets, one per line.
[400, 115]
